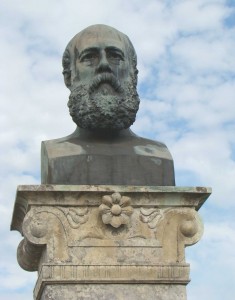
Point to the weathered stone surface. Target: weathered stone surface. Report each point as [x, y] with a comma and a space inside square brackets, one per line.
[99, 235]
[115, 292]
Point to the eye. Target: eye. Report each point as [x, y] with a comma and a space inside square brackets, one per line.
[114, 56]
[89, 57]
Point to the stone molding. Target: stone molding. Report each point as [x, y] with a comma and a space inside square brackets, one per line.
[72, 274]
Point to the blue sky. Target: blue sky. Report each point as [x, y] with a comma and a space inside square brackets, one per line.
[186, 84]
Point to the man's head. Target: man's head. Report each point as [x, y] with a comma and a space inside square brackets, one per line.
[100, 71]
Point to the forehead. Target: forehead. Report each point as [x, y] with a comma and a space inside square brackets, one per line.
[100, 39]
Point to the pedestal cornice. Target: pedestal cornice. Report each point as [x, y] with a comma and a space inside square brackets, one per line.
[50, 195]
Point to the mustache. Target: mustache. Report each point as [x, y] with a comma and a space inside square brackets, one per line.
[106, 78]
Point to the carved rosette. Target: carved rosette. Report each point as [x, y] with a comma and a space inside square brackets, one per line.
[116, 209]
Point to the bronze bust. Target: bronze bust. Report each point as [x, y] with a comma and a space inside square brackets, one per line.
[100, 69]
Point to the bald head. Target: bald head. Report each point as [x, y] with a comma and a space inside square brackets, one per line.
[99, 37]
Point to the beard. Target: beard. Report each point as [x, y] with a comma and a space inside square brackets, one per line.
[104, 104]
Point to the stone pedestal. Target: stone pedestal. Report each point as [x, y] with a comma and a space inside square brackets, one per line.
[108, 242]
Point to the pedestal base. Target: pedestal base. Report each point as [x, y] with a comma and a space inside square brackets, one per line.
[108, 242]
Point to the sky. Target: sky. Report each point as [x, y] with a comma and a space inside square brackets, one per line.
[186, 84]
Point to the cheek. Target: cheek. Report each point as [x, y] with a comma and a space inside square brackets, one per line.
[122, 71]
[84, 72]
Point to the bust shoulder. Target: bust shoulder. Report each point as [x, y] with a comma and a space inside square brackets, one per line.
[116, 159]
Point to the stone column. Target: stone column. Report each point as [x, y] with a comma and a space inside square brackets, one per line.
[108, 242]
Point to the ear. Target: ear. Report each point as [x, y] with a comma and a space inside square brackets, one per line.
[66, 63]
[67, 78]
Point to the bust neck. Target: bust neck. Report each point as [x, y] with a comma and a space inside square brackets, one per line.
[87, 134]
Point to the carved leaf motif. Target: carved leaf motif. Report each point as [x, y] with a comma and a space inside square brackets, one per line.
[76, 215]
[151, 216]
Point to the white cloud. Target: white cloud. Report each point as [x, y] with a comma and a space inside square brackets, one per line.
[199, 15]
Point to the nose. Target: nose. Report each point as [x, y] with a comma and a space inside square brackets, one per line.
[103, 65]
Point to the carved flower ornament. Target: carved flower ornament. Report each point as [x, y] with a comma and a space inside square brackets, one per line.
[115, 209]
